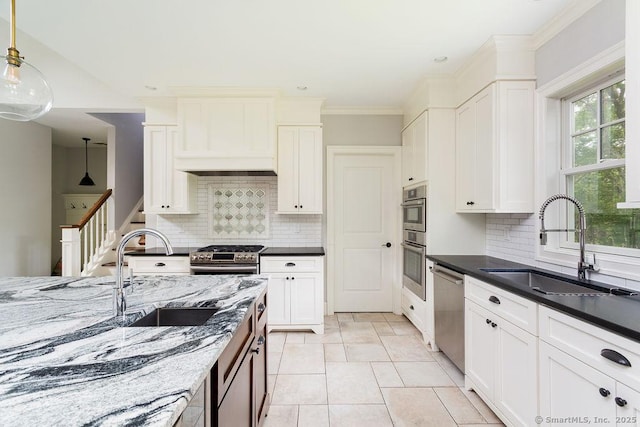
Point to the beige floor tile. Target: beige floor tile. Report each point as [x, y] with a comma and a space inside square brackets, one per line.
[366, 353]
[273, 362]
[344, 317]
[352, 383]
[313, 416]
[276, 341]
[386, 374]
[334, 353]
[369, 317]
[282, 416]
[383, 328]
[358, 333]
[459, 407]
[483, 425]
[330, 336]
[405, 328]
[331, 321]
[271, 383]
[300, 390]
[359, 416]
[296, 337]
[422, 374]
[482, 407]
[302, 359]
[406, 348]
[391, 317]
[416, 407]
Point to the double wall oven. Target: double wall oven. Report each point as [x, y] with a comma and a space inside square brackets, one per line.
[414, 242]
[226, 259]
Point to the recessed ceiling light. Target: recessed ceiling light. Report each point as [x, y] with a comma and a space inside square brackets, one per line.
[149, 87]
[301, 87]
[440, 59]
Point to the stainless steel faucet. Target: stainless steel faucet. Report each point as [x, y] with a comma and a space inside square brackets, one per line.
[119, 294]
[583, 266]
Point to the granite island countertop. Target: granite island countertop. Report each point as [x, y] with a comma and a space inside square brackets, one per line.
[616, 313]
[65, 360]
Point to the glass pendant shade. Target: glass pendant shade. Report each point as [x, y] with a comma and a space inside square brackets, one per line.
[24, 93]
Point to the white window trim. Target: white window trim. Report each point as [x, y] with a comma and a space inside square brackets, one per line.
[549, 180]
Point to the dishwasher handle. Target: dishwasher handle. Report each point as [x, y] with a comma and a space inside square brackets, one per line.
[449, 275]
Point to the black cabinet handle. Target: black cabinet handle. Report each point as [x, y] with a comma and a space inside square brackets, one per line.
[488, 321]
[293, 278]
[261, 307]
[290, 264]
[494, 299]
[620, 401]
[295, 206]
[614, 356]
[287, 278]
[162, 206]
[300, 206]
[470, 203]
[604, 392]
[410, 179]
[256, 350]
[493, 325]
[168, 206]
[160, 264]
[388, 244]
[411, 307]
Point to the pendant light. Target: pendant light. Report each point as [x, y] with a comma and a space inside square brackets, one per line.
[87, 179]
[24, 93]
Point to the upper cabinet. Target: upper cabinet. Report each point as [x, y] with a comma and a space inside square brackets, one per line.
[300, 169]
[414, 151]
[494, 149]
[166, 190]
[226, 134]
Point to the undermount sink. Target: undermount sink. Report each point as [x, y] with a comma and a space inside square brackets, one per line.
[168, 316]
[555, 285]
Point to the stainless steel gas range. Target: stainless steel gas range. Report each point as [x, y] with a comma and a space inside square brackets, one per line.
[226, 259]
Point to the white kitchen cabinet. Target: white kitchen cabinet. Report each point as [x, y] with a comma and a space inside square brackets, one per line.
[226, 134]
[494, 149]
[500, 361]
[296, 292]
[300, 169]
[421, 313]
[414, 151]
[577, 380]
[159, 265]
[166, 190]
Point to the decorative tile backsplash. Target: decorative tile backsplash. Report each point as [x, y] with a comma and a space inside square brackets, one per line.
[237, 213]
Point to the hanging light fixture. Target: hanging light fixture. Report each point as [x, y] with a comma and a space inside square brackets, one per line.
[87, 179]
[24, 93]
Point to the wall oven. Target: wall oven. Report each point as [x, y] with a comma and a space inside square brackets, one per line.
[414, 208]
[414, 251]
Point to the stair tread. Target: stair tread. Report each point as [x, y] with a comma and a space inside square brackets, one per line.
[113, 264]
[137, 222]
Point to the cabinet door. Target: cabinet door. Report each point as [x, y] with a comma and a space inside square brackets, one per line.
[306, 299]
[420, 148]
[485, 139]
[629, 413]
[181, 186]
[516, 387]
[260, 374]
[279, 312]
[408, 137]
[236, 409]
[465, 156]
[155, 169]
[287, 169]
[570, 388]
[310, 170]
[480, 348]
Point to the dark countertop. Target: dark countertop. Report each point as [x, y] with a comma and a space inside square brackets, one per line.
[618, 314]
[294, 251]
[177, 251]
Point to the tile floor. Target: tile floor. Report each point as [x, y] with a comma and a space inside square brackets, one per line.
[368, 369]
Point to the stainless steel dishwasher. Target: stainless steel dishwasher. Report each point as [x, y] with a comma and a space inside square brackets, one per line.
[448, 300]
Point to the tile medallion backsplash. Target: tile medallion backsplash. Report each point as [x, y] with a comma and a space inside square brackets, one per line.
[236, 213]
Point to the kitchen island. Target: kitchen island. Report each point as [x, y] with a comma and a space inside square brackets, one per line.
[65, 359]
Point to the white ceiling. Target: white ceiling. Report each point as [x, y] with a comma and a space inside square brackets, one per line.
[354, 53]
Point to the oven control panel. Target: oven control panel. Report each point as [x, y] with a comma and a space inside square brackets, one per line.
[216, 257]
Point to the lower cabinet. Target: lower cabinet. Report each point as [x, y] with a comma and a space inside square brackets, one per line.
[500, 360]
[296, 292]
[239, 377]
[159, 265]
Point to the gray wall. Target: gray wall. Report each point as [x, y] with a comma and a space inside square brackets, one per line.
[361, 129]
[598, 29]
[25, 194]
[128, 163]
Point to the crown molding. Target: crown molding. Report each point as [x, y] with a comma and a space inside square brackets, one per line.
[562, 20]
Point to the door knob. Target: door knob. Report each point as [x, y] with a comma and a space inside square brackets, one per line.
[388, 244]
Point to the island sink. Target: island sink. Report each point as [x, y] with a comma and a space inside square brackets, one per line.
[182, 316]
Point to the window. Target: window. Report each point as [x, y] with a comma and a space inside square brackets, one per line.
[593, 167]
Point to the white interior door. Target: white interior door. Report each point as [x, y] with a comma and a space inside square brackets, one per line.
[363, 218]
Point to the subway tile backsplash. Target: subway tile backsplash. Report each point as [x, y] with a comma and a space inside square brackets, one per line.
[199, 229]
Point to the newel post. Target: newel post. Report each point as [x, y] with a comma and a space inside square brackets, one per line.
[71, 251]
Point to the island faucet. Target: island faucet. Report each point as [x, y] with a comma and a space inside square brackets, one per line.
[119, 294]
[583, 266]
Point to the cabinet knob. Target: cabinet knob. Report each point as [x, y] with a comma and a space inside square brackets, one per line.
[493, 325]
[411, 179]
[168, 206]
[160, 264]
[287, 278]
[388, 244]
[620, 401]
[411, 307]
[261, 308]
[604, 392]
[293, 278]
[300, 206]
[295, 206]
[488, 321]
[162, 206]
[470, 203]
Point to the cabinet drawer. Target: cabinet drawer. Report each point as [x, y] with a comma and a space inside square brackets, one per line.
[290, 264]
[512, 308]
[159, 265]
[414, 308]
[588, 343]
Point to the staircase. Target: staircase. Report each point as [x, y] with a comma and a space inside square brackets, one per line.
[136, 221]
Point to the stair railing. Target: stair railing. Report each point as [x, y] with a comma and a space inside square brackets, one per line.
[82, 243]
